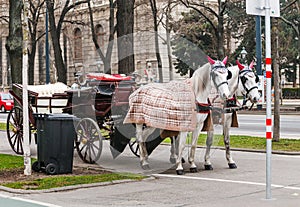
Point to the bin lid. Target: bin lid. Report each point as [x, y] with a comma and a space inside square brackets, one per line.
[61, 116]
[56, 116]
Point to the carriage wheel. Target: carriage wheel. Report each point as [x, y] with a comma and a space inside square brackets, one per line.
[14, 128]
[134, 147]
[89, 140]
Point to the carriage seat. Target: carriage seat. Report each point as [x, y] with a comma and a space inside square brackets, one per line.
[50, 99]
[49, 89]
[107, 89]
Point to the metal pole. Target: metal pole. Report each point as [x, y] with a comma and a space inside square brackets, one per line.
[27, 159]
[258, 44]
[47, 49]
[268, 100]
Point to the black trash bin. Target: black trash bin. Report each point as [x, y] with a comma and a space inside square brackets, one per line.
[55, 143]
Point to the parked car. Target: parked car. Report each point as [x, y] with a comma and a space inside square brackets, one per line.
[6, 102]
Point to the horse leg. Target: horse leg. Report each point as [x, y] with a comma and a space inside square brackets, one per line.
[209, 141]
[181, 146]
[226, 128]
[195, 135]
[173, 150]
[141, 136]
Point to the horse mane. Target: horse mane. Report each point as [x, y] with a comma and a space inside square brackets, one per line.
[201, 79]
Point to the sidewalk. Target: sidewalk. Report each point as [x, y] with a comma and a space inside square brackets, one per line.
[288, 106]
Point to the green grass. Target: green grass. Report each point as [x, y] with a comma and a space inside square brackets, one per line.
[61, 181]
[249, 142]
[11, 162]
[3, 126]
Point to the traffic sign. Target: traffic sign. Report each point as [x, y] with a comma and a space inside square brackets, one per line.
[257, 7]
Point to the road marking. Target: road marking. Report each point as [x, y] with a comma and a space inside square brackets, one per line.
[29, 201]
[226, 181]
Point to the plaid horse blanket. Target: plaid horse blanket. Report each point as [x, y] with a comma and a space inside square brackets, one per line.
[169, 106]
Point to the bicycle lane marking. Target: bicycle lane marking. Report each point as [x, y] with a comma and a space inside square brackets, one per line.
[8, 201]
[225, 181]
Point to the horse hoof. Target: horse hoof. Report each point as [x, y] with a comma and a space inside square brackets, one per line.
[172, 160]
[145, 167]
[208, 167]
[179, 172]
[232, 165]
[193, 170]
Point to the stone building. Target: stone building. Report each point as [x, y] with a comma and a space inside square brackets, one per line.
[78, 48]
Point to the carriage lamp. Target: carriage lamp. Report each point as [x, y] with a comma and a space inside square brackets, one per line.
[244, 54]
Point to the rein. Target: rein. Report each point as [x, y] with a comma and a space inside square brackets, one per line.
[243, 83]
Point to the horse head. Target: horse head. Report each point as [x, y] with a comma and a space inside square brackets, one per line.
[249, 81]
[220, 76]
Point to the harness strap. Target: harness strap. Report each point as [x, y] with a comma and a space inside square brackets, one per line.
[225, 82]
[231, 102]
[203, 108]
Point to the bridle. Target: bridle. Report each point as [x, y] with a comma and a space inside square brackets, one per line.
[213, 75]
[244, 79]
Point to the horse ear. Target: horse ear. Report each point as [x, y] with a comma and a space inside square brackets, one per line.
[241, 67]
[225, 60]
[251, 65]
[211, 61]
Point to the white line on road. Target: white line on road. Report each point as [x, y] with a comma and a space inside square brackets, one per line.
[29, 201]
[225, 181]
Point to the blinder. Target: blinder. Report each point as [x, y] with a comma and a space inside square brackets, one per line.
[229, 75]
[256, 78]
[243, 79]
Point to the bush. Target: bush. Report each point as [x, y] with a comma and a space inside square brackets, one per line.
[291, 93]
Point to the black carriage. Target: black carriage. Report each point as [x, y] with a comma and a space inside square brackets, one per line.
[101, 104]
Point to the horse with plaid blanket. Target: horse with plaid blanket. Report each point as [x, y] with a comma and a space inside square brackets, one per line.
[173, 106]
[246, 81]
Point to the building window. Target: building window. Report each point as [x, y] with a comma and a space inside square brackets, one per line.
[100, 35]
[77, 44]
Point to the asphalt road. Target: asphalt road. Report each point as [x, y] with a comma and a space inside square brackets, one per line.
[244, 186]
[252, 125]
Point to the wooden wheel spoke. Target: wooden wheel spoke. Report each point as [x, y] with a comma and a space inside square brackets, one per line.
[88, 134]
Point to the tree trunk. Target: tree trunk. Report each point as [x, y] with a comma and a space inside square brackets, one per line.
[105, 58]
[171, 75]
[220, 32]
[125, 24]
[14, 40]
[31, 58]
[168, 40]
[276, 128]
[157, 52]
[59, 63]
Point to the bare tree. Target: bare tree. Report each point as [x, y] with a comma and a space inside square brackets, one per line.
[276, 119]
[55, 32]
[107, 57]
[167, 12]
[207, 11]
[15, 40]
[35, 14]
[125, 25]
[155, 26]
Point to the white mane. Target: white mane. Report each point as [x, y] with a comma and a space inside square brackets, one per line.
[201, 82]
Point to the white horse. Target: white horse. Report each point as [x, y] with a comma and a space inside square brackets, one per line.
[244, 79]
[213, 73]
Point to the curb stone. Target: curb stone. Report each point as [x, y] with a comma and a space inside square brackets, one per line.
[71, 187]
